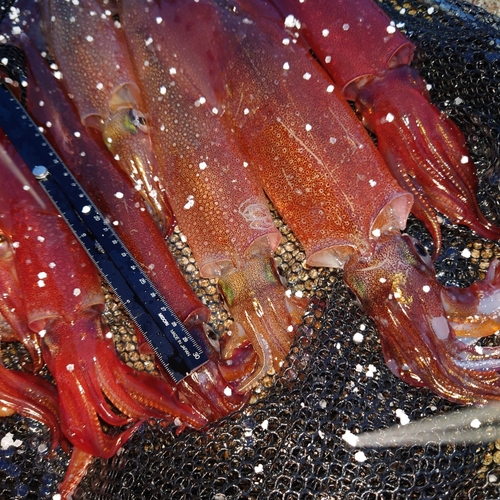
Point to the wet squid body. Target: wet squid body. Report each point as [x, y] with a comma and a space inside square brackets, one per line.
[208, 107]
[315, 162]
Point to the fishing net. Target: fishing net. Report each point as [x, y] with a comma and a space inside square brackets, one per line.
[287, 443]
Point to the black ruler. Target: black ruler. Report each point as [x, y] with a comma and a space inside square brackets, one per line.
[173, 344]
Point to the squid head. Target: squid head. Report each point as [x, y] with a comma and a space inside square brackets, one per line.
[263, 311]
[398, 289]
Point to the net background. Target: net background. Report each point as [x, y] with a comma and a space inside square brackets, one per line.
[288, 444]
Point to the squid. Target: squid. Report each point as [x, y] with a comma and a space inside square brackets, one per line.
[320, 169]
[207, 390]
[21, 391]
[235, 112]
[64, 302]
[96, 70]
[218, 204]
[368, 58]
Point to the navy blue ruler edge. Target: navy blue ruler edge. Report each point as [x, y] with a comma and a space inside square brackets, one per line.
[172, 343]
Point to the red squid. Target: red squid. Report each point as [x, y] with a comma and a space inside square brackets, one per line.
[64, 301]
[22, 392]
[368, 58]
[120, 202]
[218, 204]
[320, 169]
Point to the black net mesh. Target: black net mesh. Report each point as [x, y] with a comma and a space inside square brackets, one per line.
[287, 444]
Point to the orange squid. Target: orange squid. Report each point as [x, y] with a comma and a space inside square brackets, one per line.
[96, 70]
[327, 180]
[219, 206]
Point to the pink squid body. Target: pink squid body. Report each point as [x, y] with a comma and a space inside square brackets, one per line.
[219, 206]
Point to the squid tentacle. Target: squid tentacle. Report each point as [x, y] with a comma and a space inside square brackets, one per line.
[473, 311]
[438, 165]
[389, 285]
[31, 396]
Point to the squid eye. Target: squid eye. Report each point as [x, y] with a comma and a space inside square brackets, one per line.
[5, 248]
[422, 252]
[139, 120]
[227, 293]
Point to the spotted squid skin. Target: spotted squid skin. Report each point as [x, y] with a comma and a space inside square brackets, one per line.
[218, 204]
[287, 129]
[337, 28]
[97, 72]
[121, 204]
[214, 197]
[307, 148]
[364, 53]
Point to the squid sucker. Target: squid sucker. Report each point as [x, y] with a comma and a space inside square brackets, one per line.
[205, 111]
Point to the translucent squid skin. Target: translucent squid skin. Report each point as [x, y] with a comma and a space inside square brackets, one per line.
[218, 204]
[364, 53]
[64, 302]
[96, 69]
[292, 114]
[122, 204]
